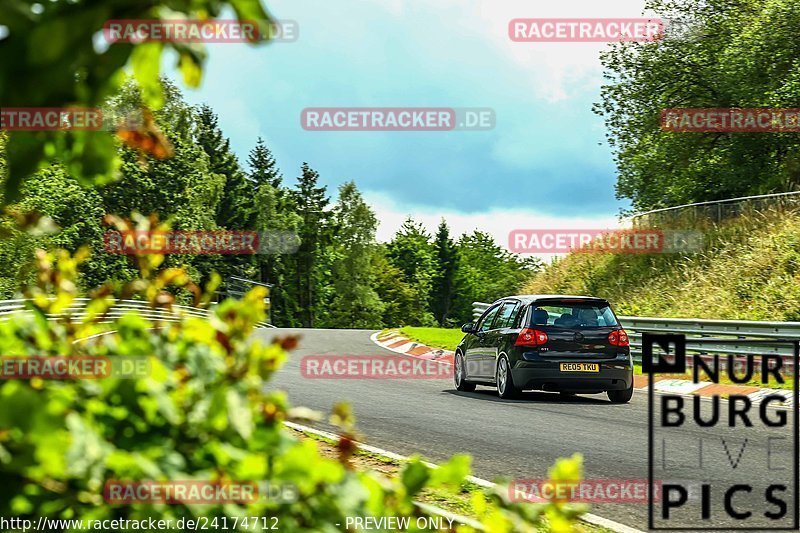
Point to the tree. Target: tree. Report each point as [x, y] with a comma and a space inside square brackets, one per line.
[182, 188]
[401, 302]
[311, 260]
[445, 277]
[355, 302]
[275, 216]
[78, 213]
[412, 253]
[488, 272]
[3, 165]
[66, 68]
[203, 411]
[729, 53]
[235, 210]
[55, 212]
[263, 167]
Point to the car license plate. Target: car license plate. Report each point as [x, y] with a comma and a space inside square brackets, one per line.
[580, 367]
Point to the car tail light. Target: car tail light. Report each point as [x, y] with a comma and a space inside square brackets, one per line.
[618, 337]
[531, 337]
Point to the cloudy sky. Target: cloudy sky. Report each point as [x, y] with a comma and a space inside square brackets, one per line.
[545, 164]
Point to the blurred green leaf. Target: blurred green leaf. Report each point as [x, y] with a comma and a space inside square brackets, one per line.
[48, 41]
[191, 69]
[453, 472]
[253, 11]
[415, 475]
[239, 413]
[146, 64]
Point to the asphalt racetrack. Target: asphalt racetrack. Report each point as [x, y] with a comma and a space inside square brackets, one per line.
[520, 439]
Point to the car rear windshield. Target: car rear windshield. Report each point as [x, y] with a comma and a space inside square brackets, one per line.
[572, 315]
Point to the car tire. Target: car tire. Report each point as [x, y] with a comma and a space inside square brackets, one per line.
[460, 375]
[504, 380]
[620, 396]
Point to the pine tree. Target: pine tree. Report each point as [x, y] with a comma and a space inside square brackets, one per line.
[400, 301]
[236, 208]
[263, 167]
[274, 213]
[314, 232]
[446, 261]
[487, 271]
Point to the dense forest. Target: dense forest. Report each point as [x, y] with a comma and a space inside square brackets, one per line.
[340, 276]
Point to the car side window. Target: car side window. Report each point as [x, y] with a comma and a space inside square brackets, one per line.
[523, 317]
[517, 316]
[505, 318]
[486, 322]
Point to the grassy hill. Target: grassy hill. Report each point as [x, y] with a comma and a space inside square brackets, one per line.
[749, 269]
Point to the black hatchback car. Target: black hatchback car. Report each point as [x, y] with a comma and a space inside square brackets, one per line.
[566, 344]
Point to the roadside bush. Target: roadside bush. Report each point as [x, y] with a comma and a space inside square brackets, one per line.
[200, 413]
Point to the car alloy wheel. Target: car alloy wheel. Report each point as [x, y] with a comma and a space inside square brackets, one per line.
[457, 374]
[502, 376]
[504, 379]
[460, 375]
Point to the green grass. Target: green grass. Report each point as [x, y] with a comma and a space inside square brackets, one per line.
[444, 338]
[749, 269]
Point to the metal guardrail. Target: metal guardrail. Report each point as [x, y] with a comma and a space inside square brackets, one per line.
[478, 308]
[695, 328]
[77, 311]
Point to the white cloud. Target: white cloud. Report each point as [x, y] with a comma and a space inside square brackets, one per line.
[554, 71]
[497, 222]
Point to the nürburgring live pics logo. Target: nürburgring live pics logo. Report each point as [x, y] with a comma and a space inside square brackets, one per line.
[739, 451]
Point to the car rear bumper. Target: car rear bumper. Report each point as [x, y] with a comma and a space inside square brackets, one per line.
[547, 375]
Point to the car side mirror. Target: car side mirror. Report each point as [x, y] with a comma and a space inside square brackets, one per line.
[468, 328]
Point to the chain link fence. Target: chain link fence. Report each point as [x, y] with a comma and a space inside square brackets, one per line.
[702, 213]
